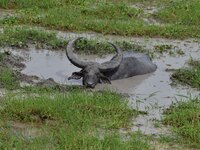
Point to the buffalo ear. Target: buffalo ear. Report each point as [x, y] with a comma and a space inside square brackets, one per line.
[104, 79]
[76, 75]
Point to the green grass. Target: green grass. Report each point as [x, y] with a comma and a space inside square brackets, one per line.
[21, 37]
[104, 18]
[8, 79]
[86, 46]
[182, 12]
[189, 76]
[29, 3]
[72, 120]
[184, 118]
[57, 3]
[107, 17]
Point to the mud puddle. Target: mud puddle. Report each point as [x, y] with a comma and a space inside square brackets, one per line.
[151, 92]
[51, 64]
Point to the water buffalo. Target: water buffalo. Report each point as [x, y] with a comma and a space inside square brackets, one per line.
[120, 66]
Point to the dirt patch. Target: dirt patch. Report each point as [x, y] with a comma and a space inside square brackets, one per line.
[165, 146]
[148, 14]
[2, 92]
[27, 130]
[11, 61]
[6, 13]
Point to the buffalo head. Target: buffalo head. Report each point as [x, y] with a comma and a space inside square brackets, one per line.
[92, 72]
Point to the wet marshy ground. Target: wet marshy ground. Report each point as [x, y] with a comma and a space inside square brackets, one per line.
[35, 67]
[151, 93]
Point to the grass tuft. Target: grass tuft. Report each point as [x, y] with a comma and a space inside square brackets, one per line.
[184, 117]
[7, 79]
[189, 76]
[21, 36]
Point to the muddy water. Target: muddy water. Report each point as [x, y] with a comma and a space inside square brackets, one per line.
[151, 92]
[47, 64]
[51, 64]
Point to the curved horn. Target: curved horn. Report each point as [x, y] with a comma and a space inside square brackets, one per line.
[70, 54]
[114, 62]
